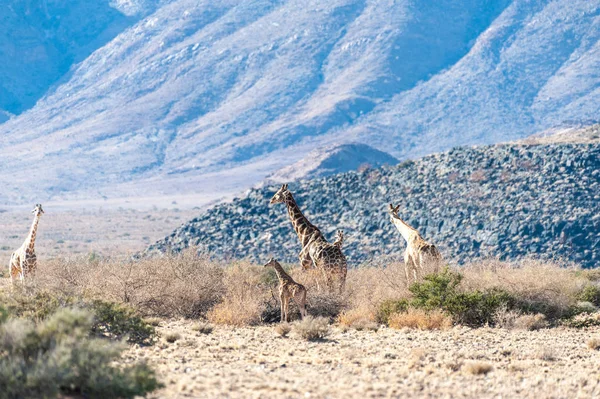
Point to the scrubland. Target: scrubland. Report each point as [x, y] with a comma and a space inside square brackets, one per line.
[188, 326]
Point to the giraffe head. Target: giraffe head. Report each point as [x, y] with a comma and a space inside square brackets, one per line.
[281, 196]
[37, 211]
[394, 210]
[270, 263]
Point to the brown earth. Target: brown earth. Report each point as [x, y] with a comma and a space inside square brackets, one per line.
[255, 362]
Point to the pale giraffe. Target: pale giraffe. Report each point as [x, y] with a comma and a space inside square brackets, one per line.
[316, 251]
[288, 289]
[23, 261]
[419, 253]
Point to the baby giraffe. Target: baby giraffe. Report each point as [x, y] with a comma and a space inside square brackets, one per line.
[288, 289]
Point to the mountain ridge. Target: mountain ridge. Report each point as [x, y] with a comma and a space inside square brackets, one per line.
[197, 90]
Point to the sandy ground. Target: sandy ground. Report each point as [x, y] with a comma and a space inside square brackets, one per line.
[91, 229]
[256, 362]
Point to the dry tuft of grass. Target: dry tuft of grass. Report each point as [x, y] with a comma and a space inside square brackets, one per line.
[172, 337]
[203, 327]
[531, 322]
[478, 368]
[593, 343]
[546, 354]
[283, 329]
[312, 328]
[421, 319]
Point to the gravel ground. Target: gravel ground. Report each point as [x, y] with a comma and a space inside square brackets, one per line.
[256, 362]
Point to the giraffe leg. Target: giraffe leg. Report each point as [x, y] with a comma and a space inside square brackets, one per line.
[301, 302]
[407, 263]
[282, 303]
[286, 306]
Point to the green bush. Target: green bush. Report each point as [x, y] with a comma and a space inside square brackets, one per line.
[111, 320]
[590, 293]
[117, 321]
[58, 357]
[390, 307]
[475, 308]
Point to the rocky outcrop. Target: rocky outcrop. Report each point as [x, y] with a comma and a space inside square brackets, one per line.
[505, 201]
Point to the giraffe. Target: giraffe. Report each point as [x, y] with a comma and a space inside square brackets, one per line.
[24, 260]
[418, 252]
[288, 289]
[316, 251]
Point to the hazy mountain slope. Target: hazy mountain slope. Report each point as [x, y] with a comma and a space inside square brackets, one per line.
[507, 201]
[41, 39]
[211, 97]
[537, 66]
[201, 86]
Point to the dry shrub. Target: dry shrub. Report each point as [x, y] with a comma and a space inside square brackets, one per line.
[546, 354]
[531, 322]
[172, 337]
[246, 295]
[283, 329]
[421, 319]
[203, 327]
[182, 284]
[358, 319]
[594, 344]
[312, 328]
[506, 318]
[539, 286]
[478, 368]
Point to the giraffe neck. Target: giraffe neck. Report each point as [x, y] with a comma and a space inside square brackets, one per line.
[281, 274]
[303, 228]
[404, 229]
[30, 240]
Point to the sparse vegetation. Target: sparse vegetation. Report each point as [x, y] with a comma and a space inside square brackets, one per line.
[57, 356]
[172, 337]
[593, 343]
[312, 328]
[531, 322]
[283, 329]
[421, 319]
[478, 368]
[203, 327]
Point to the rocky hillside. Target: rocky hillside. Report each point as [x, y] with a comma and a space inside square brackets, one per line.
[209, 97]
[506, 201]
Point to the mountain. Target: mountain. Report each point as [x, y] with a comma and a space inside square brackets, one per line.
[508, 201]
[210, 97]
[331, 160]
[41, 40]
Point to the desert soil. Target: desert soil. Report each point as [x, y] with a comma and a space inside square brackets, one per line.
[255, 362]
[94, 229]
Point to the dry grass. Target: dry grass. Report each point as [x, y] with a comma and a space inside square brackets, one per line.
[202, 327]
[184, 285]
[172, 337]
[477, 368]
[531, 322]
[421, 319]
[593, 343]
[542, 286]
[312, 328]
[245, 297]
[358, 319]
[283, 329]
